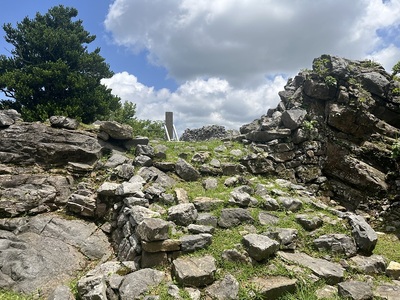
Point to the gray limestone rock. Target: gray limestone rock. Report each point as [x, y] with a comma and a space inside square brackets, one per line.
[356, 290]
[210, 183]
[61, 292]
[374, 264]
[332, 273]
[287, 237]
[205, 204]
[196, 229]
[153, 229]
[336, 243]
[260, 247]
[63, 122]
[235, 255]
[274, 287]
[186, 171]
[194, 271]
[309, 223]
[293, 118]
[48, 250]
[291, 204]
[116, 130]
[365, 237]
[231, 217]
[135, 284]
[225, 289]
[387, 291]
[191, 243]
[183, 214]
[153, 174]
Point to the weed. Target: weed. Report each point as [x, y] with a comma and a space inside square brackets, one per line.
[330, 81]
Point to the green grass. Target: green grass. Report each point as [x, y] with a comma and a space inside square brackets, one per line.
[388, 245]
[10, 295]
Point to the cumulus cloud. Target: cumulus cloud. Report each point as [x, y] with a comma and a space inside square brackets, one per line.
[243, 40]
[199, 102]
[227, 56]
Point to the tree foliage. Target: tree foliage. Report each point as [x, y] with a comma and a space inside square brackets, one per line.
[126, 114]
[51, 71]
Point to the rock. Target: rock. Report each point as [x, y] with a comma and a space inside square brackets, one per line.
[30, 143]
[92, 287]
[207, 204]
[183, 214]
[194, 271]
[356, 290]
[81, 205]
[153, 229]
[168, 245]
[309, 223]
[242, 198]
[225, 289]
[201, 157]
[107, 189]
[138, 213]
[127, 188]
[153, 174]
[186, 171]
[267, 136]
[195, 229]
[145, 150]
[287, 237]
[231, 217]
[181, 195]
[63, 122]
[267, 219]
[273, 287]
[5, 118]
[116, 130]
[363, 234]
[153, 259]
[207, 219]
[291, 204]
[205, 133]
[137, 283]
[115, 160]
[48, 250]
[210, 183]
[260, 247]
[33, 193]
[332, 273]
[293, 118]
[336, 243]
[326, 292]
[143, 161]
[374, 264]
[235, 256]
[387, 291]
[61, 292]
[393, 270]
[191, 243]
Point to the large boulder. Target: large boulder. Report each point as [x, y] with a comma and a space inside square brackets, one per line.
[41, 252]
[36, 143]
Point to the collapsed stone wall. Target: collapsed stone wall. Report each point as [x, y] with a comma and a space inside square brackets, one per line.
[334, 130]
[206, 133]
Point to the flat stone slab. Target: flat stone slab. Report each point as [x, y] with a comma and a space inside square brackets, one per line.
[387, 291]
[356, 290]
[332, 273]
[194, 271]
[274, 287]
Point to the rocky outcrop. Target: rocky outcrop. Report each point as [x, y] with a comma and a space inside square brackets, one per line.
[334, 130]
[206, 133]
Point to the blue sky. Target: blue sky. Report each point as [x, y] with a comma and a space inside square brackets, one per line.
[221, 61]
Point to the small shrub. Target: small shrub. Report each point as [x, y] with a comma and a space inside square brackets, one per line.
[330, 81]
[396, 149]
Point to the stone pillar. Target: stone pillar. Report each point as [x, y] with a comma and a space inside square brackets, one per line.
[169, 123]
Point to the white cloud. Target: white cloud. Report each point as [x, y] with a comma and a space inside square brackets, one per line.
[199, 102]
[222, 51]
[243, 40]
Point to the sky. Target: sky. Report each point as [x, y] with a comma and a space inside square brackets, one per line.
[220, 61]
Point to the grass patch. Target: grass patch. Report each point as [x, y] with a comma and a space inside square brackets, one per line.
[388, 245]
[10, 295]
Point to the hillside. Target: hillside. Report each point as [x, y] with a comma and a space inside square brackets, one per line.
[302, 204]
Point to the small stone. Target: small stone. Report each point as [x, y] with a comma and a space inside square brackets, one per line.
[356, 290]
[393, 270]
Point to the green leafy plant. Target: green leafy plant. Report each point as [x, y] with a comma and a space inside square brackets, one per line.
[320, 66]
[309, 125]
[330, 80]
[396, 149]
